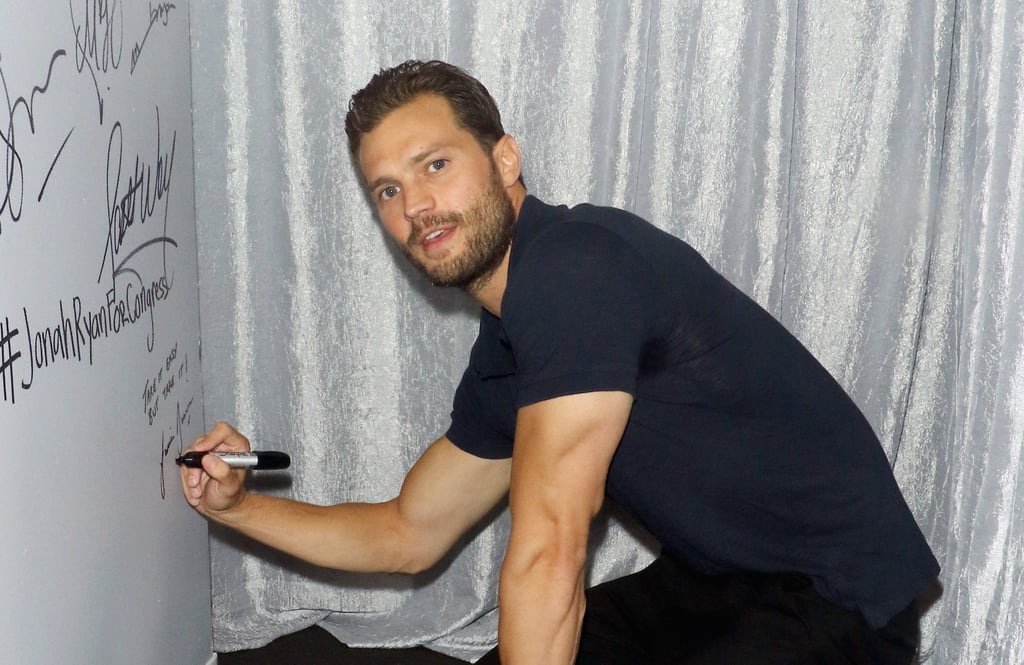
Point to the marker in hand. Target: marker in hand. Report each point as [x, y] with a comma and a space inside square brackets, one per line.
[261, 460]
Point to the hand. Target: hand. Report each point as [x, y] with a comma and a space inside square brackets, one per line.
[216, 487]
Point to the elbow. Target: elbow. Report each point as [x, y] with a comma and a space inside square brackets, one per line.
[416, 563]
[422, 558]
[404, 546]
[417, 552]
[551, 576]
[558, 555]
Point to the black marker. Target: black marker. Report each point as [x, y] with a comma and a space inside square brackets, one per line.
[264, 459]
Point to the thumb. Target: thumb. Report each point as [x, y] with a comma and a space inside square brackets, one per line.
[225, 485]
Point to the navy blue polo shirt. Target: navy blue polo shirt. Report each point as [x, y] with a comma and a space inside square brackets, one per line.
[741, 452]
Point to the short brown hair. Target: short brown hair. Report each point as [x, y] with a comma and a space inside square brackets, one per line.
[474, 108]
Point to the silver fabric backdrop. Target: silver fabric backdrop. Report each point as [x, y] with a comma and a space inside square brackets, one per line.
[856, 166]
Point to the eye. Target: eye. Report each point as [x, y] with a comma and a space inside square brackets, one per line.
[387, 193]
[437, 165]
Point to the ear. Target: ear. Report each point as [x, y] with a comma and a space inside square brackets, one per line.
[507, 160]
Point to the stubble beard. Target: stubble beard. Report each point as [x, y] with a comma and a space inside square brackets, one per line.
[488, 226]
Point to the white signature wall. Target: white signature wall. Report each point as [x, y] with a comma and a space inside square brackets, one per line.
[100, 561]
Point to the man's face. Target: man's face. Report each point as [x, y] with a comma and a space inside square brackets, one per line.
[438, 193]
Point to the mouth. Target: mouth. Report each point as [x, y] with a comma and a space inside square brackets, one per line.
[436, 238]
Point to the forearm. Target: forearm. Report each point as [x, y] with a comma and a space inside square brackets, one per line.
[444, 494]
[358, 537]
[542, 603]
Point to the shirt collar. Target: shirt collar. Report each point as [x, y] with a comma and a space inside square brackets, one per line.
[531, 212]
[492, 353]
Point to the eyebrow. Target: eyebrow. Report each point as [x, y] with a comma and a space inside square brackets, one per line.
[415, 159]
[423, 154]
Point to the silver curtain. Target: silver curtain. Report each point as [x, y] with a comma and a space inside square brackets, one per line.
[857, 166]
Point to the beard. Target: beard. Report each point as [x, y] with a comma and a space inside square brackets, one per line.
[487, 226]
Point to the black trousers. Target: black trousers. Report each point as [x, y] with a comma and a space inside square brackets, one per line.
[668, 614]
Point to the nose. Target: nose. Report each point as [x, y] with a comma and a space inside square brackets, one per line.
[418, 199]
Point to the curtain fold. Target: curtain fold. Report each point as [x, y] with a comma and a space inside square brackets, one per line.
[965, 421]
[855, 167]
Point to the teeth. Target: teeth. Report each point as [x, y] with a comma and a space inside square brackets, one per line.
[431, 236]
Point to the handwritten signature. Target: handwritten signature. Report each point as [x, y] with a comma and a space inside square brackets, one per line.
[13, 184]
[183, 419]
[147, 186]
[159, 14]
[99, 40]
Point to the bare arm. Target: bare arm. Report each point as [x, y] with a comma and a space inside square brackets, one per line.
[563, 449]
[445, 493]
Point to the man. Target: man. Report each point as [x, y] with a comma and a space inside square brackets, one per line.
[611, 360]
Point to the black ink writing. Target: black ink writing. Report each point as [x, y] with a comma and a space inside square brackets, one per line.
[164, 449]
[130, 297]
[77, 329]
[147, 186]
[49, 345]
[159, 14]
[99, 40]
[13, 185]
[150, 398]
[182, 420]
[127, 308]
[52, 164]
[161, 386]
[8, 356]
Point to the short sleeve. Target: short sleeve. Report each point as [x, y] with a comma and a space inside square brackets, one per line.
[483, 414]
[578, 311]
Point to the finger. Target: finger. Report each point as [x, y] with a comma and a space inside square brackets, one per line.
[221, 437]
[191, 485]
[226, 437]
[195, 482]
[192, 481]
[222, 484]
[216, 468]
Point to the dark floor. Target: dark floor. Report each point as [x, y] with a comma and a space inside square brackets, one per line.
[315, 646]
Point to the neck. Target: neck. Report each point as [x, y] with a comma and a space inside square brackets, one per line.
[490, 289]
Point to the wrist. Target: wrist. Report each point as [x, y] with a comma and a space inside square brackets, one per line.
[234, 513]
